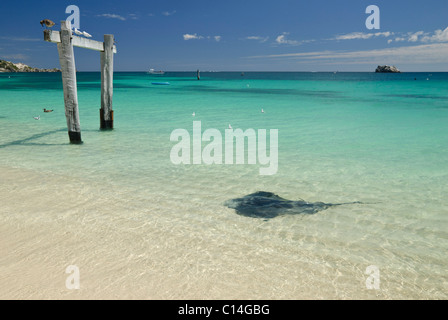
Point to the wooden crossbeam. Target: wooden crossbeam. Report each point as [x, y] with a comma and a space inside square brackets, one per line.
[55, 37]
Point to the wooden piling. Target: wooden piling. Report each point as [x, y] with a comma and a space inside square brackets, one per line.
[66, 41]
[68, 70]
[107, 79]
[198, 75]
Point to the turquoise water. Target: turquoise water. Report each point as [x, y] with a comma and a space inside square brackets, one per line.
[381, 139]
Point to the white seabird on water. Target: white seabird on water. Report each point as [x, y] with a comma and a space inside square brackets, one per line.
[230, 127]
[37, 118]
[194, 114]
[262, 111]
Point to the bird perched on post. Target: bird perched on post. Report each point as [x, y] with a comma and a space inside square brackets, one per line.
[47, 22]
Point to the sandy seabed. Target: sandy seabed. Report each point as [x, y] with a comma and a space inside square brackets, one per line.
[49, 222]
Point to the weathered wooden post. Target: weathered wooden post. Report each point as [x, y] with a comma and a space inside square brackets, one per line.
[107, 79]
[66, 41]
[198, 74]
[68, 69]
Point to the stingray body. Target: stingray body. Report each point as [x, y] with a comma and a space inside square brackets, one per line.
[267, 205]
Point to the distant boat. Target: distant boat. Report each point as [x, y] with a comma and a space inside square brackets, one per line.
[152, 71]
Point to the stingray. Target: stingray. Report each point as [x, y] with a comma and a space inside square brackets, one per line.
[267, 205]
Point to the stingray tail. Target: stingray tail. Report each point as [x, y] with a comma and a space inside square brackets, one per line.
[344, 203]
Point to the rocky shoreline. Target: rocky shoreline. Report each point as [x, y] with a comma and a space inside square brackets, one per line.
[7, 66]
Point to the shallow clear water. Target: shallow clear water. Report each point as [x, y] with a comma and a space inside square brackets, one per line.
[381, 139]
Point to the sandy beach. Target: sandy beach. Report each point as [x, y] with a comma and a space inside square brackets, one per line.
[44, 230]
[123, 255]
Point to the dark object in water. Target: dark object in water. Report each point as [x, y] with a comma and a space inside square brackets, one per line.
[387, 69]
[267, 205]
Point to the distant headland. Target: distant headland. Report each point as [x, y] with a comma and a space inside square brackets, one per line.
[387, 69]
[7, 66]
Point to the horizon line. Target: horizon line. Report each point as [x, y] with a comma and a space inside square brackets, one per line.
[275, 71]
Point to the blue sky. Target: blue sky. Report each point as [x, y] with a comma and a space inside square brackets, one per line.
[237, 35]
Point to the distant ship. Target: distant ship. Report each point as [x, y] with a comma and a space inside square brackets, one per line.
[152, 71]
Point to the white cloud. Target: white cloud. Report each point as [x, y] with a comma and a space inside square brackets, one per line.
[168, 13]
[438, 36]
[409, 37]
[362, 35]
[281, 39]
[258, 38]
[426, 53]
[14, 56]
[421, 36]
[112, 16]
[195, 36]
[192, 36]
[21, 39]
[413, 37]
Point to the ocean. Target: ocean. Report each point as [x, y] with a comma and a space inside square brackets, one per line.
[138, 225]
